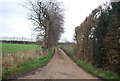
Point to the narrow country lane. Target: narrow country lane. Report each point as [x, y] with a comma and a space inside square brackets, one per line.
[59, 67]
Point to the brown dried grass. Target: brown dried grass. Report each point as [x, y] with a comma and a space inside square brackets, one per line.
[12, 59]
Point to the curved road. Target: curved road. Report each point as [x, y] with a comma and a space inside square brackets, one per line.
[59, 67]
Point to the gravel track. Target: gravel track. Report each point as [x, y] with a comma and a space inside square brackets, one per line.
[59, 67]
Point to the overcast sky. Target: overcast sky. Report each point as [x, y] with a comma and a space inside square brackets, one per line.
[14, 22]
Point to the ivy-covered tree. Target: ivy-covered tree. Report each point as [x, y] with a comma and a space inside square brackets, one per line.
[99, 52]
[112, 40]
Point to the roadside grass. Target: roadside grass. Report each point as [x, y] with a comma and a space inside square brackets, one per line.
[89, 68]
[9, 48]
[28, 65]
[96, 71]
[0, 74]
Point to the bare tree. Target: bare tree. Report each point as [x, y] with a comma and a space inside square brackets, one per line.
[47, 16]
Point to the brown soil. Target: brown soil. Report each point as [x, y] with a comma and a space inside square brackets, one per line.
[59, 67]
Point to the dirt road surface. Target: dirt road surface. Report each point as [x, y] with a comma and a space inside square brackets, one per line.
[59, 67]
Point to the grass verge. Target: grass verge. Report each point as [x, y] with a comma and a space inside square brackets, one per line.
[89, 68]
[28, 65]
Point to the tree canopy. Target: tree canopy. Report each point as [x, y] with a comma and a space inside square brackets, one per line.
[47, 17]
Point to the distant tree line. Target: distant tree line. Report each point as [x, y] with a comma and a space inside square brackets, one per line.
[98, 38]
[17, 40]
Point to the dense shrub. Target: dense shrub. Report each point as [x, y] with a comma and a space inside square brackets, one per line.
[98, 38]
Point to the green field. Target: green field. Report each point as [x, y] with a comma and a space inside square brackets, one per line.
[30, 61]
[8, 48]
